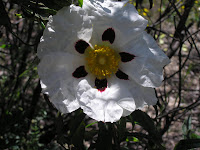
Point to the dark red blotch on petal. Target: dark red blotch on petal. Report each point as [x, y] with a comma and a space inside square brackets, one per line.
[79, 72]
[81, 46]
[121, 75]
[101, 84]
[126, 57]
[109, 35]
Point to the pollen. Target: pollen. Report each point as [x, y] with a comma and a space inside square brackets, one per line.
[102, 61]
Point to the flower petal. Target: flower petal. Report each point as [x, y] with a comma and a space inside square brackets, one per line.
[146, 68]
[101, 106]
[143, 95]
[120, 98]
[136, 95]
[63, 30]
[55, 71]
[113, 112]
[122, 17]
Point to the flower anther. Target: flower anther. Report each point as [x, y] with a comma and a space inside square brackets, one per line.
[102, 61]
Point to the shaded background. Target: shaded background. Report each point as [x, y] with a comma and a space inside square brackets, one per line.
[28, 121]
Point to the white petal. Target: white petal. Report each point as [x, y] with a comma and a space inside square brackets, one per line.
[127, 104]
[113, 112]
[101, 106]
[146, 68]
[143, 95]
[126, 113]
[55, 71]
[63, 30]
[136, 96]
[155, 49]
[120, 98]
[122, 17]
[64, 104]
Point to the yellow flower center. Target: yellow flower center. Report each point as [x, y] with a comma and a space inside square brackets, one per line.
[102, 61]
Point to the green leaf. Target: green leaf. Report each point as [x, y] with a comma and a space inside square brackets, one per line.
[3, 46]
[187, 144]
[18, 15]
[104, 141]
[147, 123]
[135, 139]
[43, 25]
[194, 136]
[122, 128]
[91, 124]
[186, 127]
[78, 136]
[74, 123]
[25, 73]
[130, 138]
[80, 3]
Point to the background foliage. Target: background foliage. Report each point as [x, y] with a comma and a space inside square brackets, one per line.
[28, 121]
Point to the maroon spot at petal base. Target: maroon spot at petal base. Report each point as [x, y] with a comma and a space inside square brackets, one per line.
[81, 46]
[126, 57]
[109, 35]
[101, 85]
[79, 72]
[121, 75]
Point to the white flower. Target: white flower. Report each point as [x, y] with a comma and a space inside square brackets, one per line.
[100, 59]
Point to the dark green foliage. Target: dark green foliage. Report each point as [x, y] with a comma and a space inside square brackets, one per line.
[147, 123]
[188, 144]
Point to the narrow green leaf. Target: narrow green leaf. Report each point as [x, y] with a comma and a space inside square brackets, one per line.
[18, 15]
[3, 46]
[91, 124]
[186, 127]
[122, 128]
[147, 123]
[75, 123]
[78, 136]
[80, 3]
[187, 144]
[42, 24]
[104, 140]
[24, 73]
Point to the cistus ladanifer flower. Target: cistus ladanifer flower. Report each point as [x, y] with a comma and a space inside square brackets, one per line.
[100, 59]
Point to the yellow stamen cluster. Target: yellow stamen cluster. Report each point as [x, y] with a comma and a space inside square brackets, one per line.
[102, 61]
